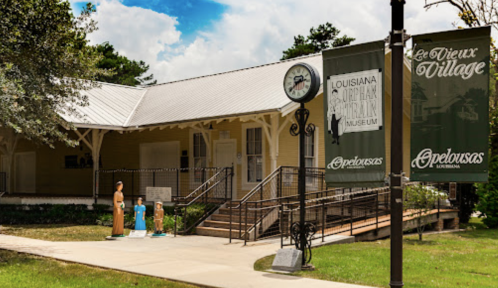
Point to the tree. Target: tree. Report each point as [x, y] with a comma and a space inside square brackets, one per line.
[420, 199]
[44, 64]
[321, 38]
[126, 72]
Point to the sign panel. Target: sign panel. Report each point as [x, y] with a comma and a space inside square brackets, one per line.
[354, 115]
[155, 194]
[449, 106]
[137, 234]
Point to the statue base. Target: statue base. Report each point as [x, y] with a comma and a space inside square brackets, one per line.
[159, 235]
[116, 237]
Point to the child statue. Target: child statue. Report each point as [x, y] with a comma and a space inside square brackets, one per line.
[140, 215]
[158, 219]
[118, 211]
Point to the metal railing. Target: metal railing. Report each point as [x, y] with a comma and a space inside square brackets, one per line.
[183, 182]
[343, 213]
[256, 213]
[201, 203]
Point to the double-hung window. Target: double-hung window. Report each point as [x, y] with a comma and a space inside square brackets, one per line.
[254, 154]
[199, 155]
[310, 160]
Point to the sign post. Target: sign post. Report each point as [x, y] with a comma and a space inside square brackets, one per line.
[397, 44]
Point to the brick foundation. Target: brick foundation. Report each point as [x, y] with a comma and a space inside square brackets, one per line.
[439, 225]
[452, 223]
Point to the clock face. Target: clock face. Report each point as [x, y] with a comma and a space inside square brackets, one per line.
[300, 83]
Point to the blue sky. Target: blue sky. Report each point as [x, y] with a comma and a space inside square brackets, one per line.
[187, 38]
[192, 15]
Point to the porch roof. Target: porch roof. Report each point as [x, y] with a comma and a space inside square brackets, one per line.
[235, 93]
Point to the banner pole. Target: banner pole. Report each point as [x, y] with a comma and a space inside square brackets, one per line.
[397, 44]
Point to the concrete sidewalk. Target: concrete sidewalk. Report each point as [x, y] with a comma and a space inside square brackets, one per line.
[204, 261]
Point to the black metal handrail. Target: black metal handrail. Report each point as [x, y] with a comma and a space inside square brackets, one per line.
[210, 199]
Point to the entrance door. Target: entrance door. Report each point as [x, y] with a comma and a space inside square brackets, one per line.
[159, 155]
[225, 156]
[25, 172]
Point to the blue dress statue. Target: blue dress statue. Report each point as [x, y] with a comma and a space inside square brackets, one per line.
[140, 216]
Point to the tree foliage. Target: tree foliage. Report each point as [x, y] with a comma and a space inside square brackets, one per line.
[45, 61]
[488, 196]
[420, 199]
[126, 71]
[321, 38]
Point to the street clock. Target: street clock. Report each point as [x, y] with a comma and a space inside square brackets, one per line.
[301, 82]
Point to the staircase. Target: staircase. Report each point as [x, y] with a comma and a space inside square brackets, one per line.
[218, 225]
[257, 214]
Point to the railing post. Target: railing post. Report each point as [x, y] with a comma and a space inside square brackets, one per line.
[351, 197]
[281, 219]
[226, 184]
[154, 179]
[247, 230]
[291, 222]
[280, 180]
[240, 220]
[377, 213]
[324, 218]
[113, 182]
[230, 221]
[132, 188]
[231, 181]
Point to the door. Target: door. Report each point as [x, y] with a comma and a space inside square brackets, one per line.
[25, 172]
[159, 155]
[225, 156]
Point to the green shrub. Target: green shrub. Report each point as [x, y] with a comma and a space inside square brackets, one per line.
[50, 214]
[105, 220]
[488, 196]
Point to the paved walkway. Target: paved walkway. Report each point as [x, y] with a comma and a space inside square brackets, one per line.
[204, 261]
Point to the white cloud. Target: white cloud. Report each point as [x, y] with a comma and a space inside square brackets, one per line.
[137, 33]
[250, 32]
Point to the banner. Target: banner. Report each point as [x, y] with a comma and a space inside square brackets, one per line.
[449, 106]
[353, 104]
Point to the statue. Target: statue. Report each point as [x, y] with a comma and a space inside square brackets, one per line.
[140, 215]
[118, 212]
[158, 220]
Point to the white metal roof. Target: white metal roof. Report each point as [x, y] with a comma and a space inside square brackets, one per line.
[109, 105]
[236, 92]
[240, 92]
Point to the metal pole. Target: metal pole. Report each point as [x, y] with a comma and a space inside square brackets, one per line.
[281, 225]
[230, 221]
[301, 186]
[324, 212]
[132, 190]
[397, 45]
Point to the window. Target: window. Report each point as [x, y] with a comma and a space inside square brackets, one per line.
[309, 151]
[310, 160]
[200, 158]
[254, 154]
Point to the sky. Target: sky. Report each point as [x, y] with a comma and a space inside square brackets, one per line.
[181, 39]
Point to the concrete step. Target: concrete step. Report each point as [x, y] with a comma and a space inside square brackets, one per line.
[226, 218]
[217, 232]
[224, 225]
[226, 211]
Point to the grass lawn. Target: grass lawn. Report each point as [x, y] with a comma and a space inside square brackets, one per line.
[60, 232]
[464, 259]
[23, 270]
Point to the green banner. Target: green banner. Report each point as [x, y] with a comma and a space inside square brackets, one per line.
[449, 106]
[353, 102]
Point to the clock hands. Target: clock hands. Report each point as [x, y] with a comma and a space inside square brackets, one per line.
[296, 83]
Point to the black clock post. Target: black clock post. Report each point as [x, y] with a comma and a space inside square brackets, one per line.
[301, 84]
